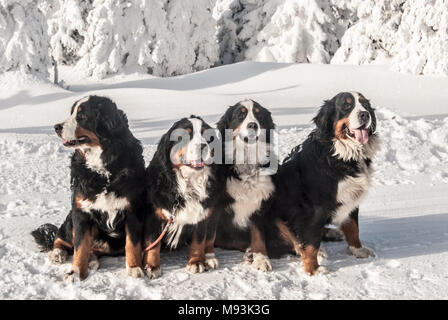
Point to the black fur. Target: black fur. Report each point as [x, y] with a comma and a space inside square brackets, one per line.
[163, 191]
[230, 235]
[307, 181]
[122, 158]
[44, 236]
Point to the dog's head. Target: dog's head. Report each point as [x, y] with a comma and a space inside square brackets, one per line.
[91, 120]
[247, 119]
[349, 121]
[348, 115]
[246, 130]
[186, 144]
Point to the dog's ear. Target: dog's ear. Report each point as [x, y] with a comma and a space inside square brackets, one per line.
[324, 119]
[161, 178]
[111, 121]
[163, 149]
[270, 120]
[224, 122]
[373, 116]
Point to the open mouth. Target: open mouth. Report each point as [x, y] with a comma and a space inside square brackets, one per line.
[360, 134]
[77, 142]
[195, 164]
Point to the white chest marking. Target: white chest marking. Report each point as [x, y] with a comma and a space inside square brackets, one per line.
[108, 203]
[192, 186]
[351, 190]
[248, 194]
[94, 161]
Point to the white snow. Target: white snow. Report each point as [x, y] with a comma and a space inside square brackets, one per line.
[404, 217]
[166, 38]
[23, 38]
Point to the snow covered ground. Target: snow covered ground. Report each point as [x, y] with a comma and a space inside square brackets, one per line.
[404, 217]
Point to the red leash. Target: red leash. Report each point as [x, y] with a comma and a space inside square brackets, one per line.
[152, 245]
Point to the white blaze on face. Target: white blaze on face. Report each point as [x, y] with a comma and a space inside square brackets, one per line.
[195, 154]
[361, 134]
[250, 117]
[69, 126]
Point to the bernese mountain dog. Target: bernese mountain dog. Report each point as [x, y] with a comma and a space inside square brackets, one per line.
[324, 180]
[249, 164]
[182, 191]
[108, 194]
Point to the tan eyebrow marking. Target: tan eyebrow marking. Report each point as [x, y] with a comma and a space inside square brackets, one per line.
[243, 109]
[349, 100]
[257, 109]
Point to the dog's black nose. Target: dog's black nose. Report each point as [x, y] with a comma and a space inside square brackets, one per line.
[252, 125]
[364, 116]
[58, 128]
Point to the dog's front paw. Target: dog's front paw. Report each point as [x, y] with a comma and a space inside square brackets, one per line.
[94, 262]
[135, 272]
[210, 261]
[322, 253]
[153, 272]
[248, 256]
[58, 256]
[362, 252]
[196, 267]
[318, 270]
[75, 274]
[261, 262]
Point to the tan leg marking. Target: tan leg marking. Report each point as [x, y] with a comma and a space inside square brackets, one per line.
[151, 258]
[287, 235]
[309, 258]
[260, 255]
[133, 252]
[61, 244]
[81, 255]
[197, 251]
[151, 261]
[351, 233]
[256, 242]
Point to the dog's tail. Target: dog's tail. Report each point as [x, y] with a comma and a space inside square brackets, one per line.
[44, 236]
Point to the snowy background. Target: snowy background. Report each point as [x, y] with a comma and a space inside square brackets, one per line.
[166, 38]
[161, 60]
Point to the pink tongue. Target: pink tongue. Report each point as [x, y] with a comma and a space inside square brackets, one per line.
[361, 135]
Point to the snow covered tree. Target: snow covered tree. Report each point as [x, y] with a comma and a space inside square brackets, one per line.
[66, 21]
[297, 31]
[280, 30]
[191, 36]
[410, 35]
[23, 38]
[161, 37]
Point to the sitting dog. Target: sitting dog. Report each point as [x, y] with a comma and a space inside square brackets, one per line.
[108, 194]
[247, 175]
[182, 190]
[324, 180]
